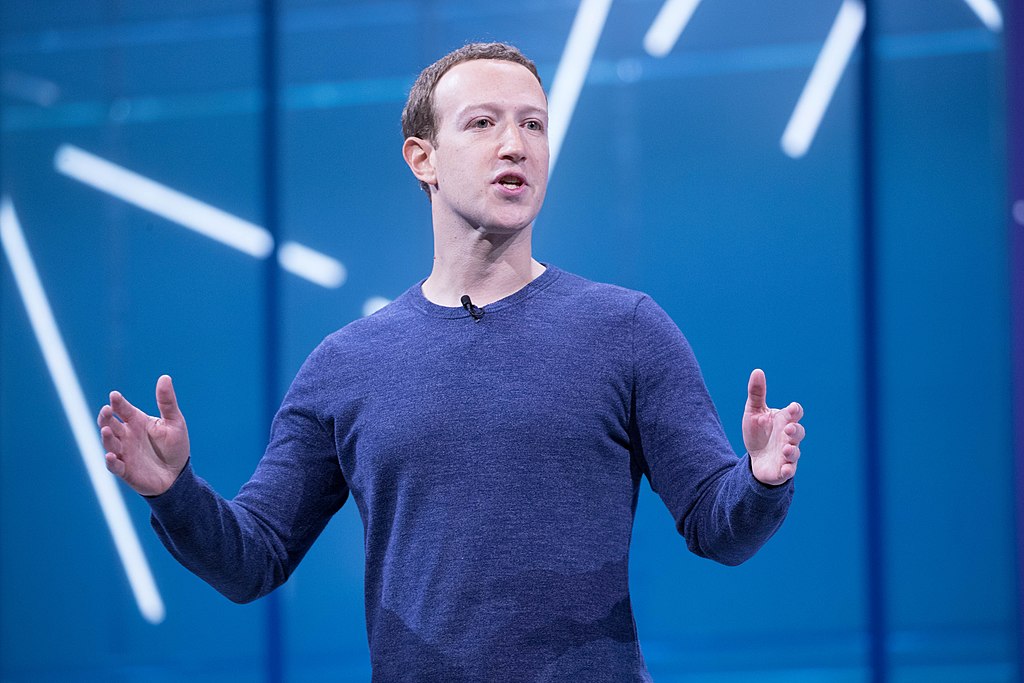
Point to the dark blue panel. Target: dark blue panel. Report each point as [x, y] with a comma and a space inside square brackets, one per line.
[943, 358]
[1015, 125]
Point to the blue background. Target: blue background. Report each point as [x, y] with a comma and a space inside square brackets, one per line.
[671, 180]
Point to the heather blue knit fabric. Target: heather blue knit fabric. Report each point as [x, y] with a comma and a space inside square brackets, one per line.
[496, 465]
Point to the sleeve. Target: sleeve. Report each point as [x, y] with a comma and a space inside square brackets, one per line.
[248, 546]
[722, 511]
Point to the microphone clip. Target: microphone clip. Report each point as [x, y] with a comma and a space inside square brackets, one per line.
[474, 311]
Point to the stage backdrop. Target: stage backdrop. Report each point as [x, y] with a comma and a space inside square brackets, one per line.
[719, 155]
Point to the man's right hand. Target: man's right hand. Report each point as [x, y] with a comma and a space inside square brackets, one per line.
[147, 452]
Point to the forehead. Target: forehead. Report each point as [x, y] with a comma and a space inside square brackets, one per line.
[488, 80]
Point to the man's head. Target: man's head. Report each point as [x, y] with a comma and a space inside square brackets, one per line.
[482, 153]
[419, 118]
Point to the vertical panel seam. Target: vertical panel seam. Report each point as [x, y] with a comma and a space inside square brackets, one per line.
[271, 317]
[874, 456]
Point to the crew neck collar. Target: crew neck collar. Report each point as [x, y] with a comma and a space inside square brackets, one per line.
[535, 285]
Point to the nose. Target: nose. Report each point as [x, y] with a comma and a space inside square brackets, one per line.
[513, 147]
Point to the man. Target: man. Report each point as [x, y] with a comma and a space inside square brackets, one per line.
[493, 425]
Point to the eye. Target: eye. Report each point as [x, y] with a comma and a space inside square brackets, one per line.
[480, 123]
[534, 125]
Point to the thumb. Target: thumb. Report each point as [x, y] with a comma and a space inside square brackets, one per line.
[166, 401]
[757, 390]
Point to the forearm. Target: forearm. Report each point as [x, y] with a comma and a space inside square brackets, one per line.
[221, 541]
[735, 515]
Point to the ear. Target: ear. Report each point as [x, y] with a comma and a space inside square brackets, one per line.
[418, 154]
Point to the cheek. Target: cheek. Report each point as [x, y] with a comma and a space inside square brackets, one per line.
[453, 163]
[542, 158]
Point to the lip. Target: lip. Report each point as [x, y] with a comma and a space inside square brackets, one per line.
[510, 174]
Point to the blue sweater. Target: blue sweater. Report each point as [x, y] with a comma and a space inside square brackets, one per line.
[496, 466]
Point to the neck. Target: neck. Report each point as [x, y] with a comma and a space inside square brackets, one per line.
[486, 266]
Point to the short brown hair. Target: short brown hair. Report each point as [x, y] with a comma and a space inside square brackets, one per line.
[419, 118]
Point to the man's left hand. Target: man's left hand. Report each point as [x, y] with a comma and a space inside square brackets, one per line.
[772, 437]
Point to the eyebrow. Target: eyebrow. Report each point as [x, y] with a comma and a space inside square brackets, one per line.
[493, 106]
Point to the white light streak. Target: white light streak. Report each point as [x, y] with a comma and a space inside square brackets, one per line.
[203, 218]
[828, 69]
[311, 264]
[572, 71]
[668, 26]
[58, 362]
[374, 304]
[163, 201]
[1018, 211]
[988, 12]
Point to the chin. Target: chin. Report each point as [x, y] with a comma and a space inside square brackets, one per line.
[506, 227]
[513, 221]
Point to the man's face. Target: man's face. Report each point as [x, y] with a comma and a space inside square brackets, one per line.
[491, 151]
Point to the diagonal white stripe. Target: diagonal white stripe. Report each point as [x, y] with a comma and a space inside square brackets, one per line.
[670, 23]
[374, 304]
[572, 71]
[196, 215]
[988, 12]
[58, 362]
[163, 201]
[312, 265]
[821, 85]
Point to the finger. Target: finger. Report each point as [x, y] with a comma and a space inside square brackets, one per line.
[757, 389]
[125, 410]
[166, 401]
[114, 465]
[787, 471]
[796, 411]
[111, 441]
[795, 432]
[115, 426]
[109, 420]
[791, 453]
[106, 417]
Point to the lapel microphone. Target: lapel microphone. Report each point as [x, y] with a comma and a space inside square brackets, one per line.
[475, 311]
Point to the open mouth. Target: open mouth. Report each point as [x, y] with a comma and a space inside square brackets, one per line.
[511, 181]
